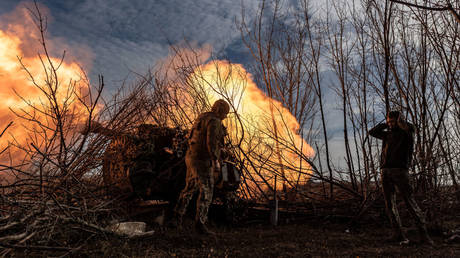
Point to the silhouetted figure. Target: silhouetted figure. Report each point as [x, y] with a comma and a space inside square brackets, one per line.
[202, 159]
[397, 148]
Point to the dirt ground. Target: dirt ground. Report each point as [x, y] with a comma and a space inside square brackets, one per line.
[311, 238]
[295, 236]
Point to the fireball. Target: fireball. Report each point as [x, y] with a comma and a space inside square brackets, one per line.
[260, 125]
[33, 89]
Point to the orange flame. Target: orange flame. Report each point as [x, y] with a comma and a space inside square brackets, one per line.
[270, 130]
[19, 93]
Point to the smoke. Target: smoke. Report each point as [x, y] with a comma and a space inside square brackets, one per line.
[22, 22]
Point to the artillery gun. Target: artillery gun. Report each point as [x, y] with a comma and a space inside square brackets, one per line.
[150, 164]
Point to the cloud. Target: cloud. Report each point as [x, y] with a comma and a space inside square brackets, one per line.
[21, 22]
[129, 35]
[119, 36]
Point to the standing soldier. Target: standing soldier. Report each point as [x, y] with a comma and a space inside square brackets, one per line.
[202, 159]
[397, 147]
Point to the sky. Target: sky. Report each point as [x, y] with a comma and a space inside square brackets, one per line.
[118, 37]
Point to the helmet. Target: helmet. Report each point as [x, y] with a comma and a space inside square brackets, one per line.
[220, 107]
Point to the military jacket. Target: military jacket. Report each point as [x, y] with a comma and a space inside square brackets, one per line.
[207, 137]
[397, 145]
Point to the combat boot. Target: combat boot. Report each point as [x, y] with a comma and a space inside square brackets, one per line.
[398, 236]
[202, 229]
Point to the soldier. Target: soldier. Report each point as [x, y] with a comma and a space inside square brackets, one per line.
[397, 147]
[202, 159]
[128, 155]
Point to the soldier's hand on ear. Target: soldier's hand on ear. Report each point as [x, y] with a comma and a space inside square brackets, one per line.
[402, 123]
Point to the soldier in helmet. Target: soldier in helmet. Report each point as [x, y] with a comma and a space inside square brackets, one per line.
[202, 158]
[397, 148]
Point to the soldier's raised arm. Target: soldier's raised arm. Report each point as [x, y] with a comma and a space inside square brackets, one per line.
[378, 131]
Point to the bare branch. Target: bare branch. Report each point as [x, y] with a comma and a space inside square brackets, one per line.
[444, 8]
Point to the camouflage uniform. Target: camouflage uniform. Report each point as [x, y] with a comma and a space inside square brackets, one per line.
[397, 149]
[205, 143]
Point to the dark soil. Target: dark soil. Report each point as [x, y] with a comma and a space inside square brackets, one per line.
[312, 238]
[300, 233]
[304, 237]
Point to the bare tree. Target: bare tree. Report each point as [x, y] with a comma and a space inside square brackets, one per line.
[385, 56]
[55, 186]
